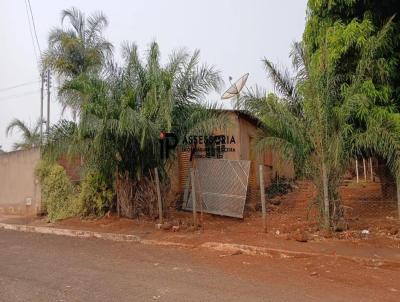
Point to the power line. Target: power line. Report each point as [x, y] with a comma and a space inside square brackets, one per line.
[30, 31]
[18, 95]
[19, 85]
[34, 27]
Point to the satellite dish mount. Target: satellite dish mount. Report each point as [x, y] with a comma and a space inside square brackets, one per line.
[234, 90]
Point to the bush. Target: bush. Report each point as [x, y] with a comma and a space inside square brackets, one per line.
[95, 196]
[57, 192]
[60, 199]
[42, 171]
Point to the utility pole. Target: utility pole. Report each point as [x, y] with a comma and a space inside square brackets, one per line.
[41, 107]
[48, 101]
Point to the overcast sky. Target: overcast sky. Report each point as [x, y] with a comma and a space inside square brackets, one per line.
[233, 35]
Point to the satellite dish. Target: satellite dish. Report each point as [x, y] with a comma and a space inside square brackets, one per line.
[235, 88]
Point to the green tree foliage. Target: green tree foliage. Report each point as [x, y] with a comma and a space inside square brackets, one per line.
[30, 136]
[123, 107]
[349, 23]
[77, 47]
[363, 41]
[320, 121]
[305, 124]
[127, 108]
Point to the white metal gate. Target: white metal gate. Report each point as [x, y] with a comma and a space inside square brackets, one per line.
[222, 186]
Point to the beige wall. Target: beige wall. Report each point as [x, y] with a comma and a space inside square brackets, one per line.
[244, 132]
[233, 129]
[273, 163]
[18, 186]
[247, 133]
[281, 167]
[181, 165]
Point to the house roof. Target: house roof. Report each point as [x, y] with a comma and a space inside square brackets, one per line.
[245, 114]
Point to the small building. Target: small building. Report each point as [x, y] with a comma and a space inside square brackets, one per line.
[235, 143]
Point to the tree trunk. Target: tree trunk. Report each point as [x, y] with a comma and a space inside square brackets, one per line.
[325, 195]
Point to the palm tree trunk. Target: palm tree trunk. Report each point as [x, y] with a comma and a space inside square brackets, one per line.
[325, 194]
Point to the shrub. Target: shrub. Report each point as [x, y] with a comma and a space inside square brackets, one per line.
[42, 171]
[61, 199]
[57, 191]
[95, 196]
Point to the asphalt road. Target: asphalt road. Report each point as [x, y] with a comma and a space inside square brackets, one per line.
[36, 267]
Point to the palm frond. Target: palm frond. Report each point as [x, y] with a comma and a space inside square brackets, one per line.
[76, 18]
[97, 22]
[30, 135]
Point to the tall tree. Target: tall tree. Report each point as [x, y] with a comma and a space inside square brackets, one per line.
[321, 122]
[347, 25]
[341, 19]
[303, 125]
[126, 108]
[77, 49]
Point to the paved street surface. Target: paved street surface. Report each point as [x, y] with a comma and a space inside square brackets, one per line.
[35, 267]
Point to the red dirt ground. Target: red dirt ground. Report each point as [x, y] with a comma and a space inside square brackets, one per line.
[284, 222]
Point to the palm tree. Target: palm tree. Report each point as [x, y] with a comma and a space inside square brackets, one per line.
[77, 50]
[126, 108]
[30, 135]
[303, 126]
[321, 121]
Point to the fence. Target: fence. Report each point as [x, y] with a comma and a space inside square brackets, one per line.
[367, 201]
[369, 195]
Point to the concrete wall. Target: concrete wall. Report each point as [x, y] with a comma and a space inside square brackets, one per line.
[244, 132]
[182, 166]
[272, 161]
[18, 186]
[233, 130]
[248, 132]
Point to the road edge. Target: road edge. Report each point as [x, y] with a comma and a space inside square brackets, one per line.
[229, 248]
